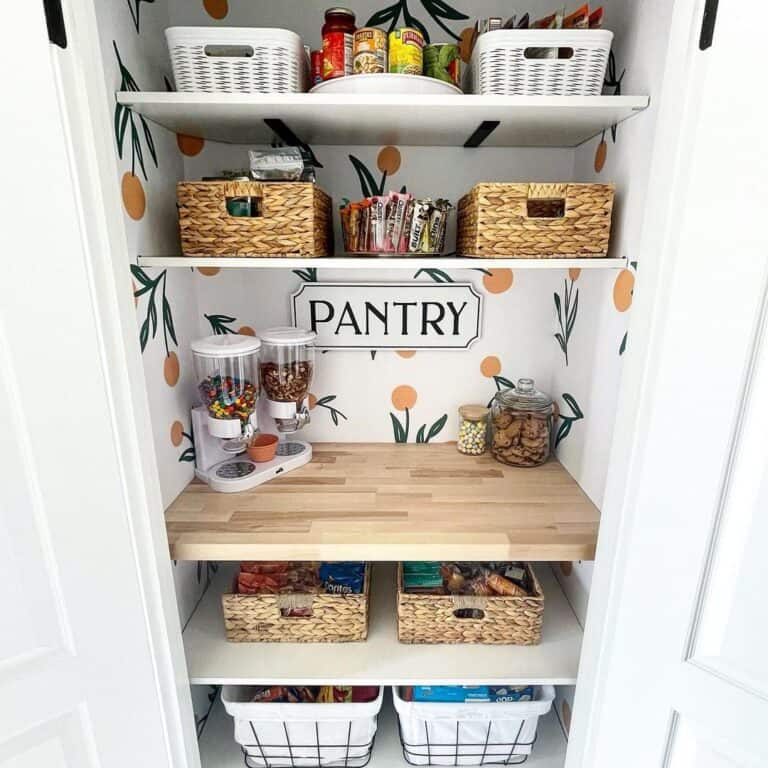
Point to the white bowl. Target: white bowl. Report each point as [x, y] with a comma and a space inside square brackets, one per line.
[387, 84]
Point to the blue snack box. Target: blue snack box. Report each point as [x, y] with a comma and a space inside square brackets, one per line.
[467, 693]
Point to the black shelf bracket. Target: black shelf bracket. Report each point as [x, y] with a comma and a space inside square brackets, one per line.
[483, 131]
[287, 136]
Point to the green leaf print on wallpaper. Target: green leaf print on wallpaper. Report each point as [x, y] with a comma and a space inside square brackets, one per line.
[134, 6]
[566, 422]
[566, 308]
[325, 402]
[404, 399]
[439, 10]
[150, 324]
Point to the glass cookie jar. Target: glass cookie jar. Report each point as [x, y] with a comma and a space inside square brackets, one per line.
[473, 430]
[521, 425]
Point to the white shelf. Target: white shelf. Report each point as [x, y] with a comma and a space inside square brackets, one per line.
[524, 121]
[382, 660]
[367, 262]
[218, 748]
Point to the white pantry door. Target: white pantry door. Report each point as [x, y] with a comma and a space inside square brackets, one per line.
[683, 678]
[80, 685]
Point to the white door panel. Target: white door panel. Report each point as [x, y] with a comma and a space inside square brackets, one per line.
[683, 675]
[79, 682]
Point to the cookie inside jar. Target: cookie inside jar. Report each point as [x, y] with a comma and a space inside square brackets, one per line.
[521, 425]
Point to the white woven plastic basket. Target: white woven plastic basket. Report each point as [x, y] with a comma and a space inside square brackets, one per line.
[237, 60]
[302, 735]
[526, 62]
[473, 733]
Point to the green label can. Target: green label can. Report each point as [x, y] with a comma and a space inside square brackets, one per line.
[406, 51]
[441, 61]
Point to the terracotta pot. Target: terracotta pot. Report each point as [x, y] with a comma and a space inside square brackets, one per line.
[263, 447]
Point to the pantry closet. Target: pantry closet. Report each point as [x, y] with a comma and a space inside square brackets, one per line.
[562, 322]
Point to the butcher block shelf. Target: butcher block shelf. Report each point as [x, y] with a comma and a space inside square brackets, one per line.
[388, 502]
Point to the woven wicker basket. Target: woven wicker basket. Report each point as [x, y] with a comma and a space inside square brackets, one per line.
[294, 220]
[507, 620]
[334, 619]
[535, 221]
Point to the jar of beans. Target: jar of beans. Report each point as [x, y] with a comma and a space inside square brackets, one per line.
[521, 425]
[473, 429]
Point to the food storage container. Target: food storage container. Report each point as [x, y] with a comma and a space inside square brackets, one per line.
[473, 430]
[521, 425]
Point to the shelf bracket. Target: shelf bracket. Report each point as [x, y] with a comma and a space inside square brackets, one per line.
[287, 136]
[484, 130]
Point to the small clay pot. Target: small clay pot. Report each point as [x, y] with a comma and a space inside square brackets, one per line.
[263, 447]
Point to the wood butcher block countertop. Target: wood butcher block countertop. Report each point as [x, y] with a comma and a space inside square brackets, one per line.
[384, 502]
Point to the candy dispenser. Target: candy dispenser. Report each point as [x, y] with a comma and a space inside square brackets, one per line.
[286, 368]
[226, 423]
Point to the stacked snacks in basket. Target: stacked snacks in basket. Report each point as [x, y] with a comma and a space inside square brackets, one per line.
[313, 694]
[395, 223]
[268, 598]
[460, 602]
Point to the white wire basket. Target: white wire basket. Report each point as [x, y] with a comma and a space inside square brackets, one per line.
[472, 733]
[539, 62]
[237, 60]
[302, 735]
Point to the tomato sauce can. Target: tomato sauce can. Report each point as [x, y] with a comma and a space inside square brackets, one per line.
[369, 54]
[316, 62]
[406, 51]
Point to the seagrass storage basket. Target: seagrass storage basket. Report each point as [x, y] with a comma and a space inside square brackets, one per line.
[334, 618]
[535, 220]
[505, 620]
[291, 219]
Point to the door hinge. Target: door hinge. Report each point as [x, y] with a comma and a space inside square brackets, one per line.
[708, 24]
[54, 18]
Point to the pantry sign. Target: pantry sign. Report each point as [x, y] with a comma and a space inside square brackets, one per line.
[389, 315]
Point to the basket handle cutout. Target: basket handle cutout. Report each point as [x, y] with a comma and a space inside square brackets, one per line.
[296, 606]
[229, 51]
[546, 53]
[469, 613]
[244, 206]
[546, 208]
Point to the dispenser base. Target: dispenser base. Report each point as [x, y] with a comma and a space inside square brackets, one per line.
[239, 473]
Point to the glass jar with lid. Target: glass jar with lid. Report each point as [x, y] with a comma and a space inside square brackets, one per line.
[337, 32]
[521, 425]
[473, 430]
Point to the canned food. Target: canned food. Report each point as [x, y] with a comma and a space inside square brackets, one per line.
[406, 48]
[442, 62]
[369, 51]
[316, 61]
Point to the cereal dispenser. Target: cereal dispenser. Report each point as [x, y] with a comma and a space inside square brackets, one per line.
[286, 367]
[226, 423]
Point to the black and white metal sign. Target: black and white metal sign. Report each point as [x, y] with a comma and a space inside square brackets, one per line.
[389, 315]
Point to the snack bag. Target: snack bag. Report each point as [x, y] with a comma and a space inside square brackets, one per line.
[596, 18]
[579, 19]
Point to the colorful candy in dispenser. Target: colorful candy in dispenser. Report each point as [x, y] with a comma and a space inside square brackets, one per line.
[226, 368]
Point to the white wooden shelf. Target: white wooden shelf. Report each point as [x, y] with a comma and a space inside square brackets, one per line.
[382, 659]
[523, 121]
[368, 262]
[218, 748]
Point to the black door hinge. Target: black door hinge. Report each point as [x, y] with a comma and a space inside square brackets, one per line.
[708, 24]
[54, 18]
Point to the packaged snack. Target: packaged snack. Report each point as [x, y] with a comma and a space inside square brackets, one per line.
[364, 693]
[422, 575]
[524, 21]
[379, 207]
[276, 164]
[579, 19]
[469, 693]
[354, 224]
[334, 694]
[502, 586]
[316, 66]
[406, 230]
[453, 578]
[596, 18]
[268, 694]
[419, 221]
[507, 693]
[553, 21]
[343, 578]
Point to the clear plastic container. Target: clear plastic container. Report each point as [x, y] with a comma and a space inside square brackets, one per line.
[226, 368]
[286, 367]
[521, 425]
[473, 430]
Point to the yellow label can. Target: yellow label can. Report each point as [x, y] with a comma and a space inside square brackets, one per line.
[406, 51]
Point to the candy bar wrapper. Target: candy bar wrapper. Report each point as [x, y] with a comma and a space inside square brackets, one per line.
[354, 226]
[398, 210]
[402, 246]
[379, 207]
[365, 227]
[419, 220]
[344, 213]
